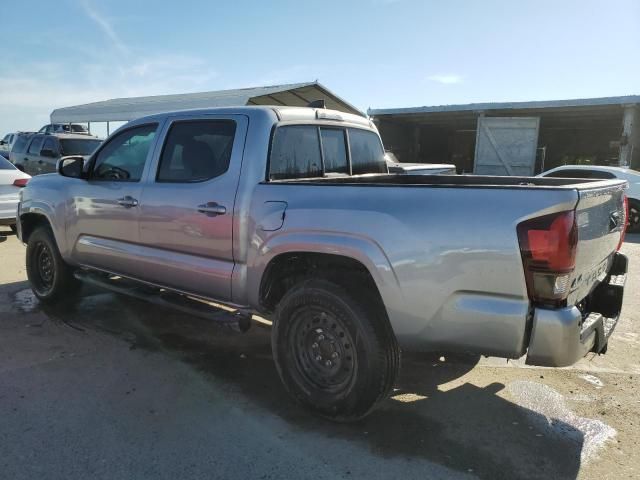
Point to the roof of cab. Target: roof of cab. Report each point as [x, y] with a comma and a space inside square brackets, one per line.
[278, 113]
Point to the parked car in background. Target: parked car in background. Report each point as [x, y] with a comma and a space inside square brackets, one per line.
[418, 168]
[64, 128]
[594, 171]
[11, 181]
[291, 212]
[42, 152]
[6, 144]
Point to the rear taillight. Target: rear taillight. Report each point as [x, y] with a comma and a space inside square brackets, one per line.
[625, 221]
[548, 249]
[21, 182]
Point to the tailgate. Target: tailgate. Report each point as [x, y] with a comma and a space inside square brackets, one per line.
[600, 221]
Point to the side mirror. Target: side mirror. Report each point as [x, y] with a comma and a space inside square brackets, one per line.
[48, 153]
[2, 142]
[71, 167]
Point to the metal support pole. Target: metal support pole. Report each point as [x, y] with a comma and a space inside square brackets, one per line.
[107, 129]
[626, 140]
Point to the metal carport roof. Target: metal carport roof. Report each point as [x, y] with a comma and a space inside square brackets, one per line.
[125, 109]
[578, 102]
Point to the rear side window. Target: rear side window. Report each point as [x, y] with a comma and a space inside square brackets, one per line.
[295, 153]
[580, 173]
[600, 174]
[334, 150]
[36, 146]
[21, 144]
[6, 164]
[196, 151]
[367, 154]
[78, 146]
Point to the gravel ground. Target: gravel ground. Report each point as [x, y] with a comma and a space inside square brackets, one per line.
[116, 388]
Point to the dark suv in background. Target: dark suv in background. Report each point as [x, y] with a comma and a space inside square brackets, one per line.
[40, 153]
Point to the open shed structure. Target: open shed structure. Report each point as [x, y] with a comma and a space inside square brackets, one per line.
[519, 138]
[126, 109]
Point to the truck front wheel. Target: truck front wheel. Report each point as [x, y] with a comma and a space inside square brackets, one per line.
[335, 352]
[50, 277]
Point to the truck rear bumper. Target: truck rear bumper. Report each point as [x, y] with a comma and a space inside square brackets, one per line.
[561, 337]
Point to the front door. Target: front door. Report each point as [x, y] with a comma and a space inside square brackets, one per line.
[104, 231]
[49, 155]
[186, 221]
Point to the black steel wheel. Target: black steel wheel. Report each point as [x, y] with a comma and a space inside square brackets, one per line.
[322, 348]
[51, 278]
[633, 224]
[335, 352]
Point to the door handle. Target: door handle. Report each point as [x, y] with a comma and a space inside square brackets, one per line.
[40, 162]
[128, 201]
[211, 209]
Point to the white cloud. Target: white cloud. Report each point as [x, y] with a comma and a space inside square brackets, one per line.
[446, 79]
[104, 25]
[30, 92]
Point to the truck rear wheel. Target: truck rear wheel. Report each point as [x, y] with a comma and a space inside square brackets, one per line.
[335, 355]
[50, 277]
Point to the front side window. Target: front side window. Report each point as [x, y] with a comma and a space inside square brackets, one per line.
[196, 151]
[78, 146]
[36, 146]
[123, 158]
[334, 150]
[367, 154]
[295, 153]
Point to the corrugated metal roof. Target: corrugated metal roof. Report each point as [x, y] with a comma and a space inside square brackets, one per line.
[124, 109]
[579, 102]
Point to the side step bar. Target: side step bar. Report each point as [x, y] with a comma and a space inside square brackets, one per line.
[238, 321]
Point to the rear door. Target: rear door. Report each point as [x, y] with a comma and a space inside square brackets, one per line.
[186, 223]
[506, 146]
[104, 225]
[29, 160]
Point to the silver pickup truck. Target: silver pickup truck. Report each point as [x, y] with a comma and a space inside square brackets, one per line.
[291, 213]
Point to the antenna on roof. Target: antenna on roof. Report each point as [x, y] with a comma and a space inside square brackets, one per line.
[317, 104]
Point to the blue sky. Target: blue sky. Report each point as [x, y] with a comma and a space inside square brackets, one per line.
[373, 53]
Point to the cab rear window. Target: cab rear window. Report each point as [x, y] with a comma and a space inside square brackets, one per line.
[311, 151]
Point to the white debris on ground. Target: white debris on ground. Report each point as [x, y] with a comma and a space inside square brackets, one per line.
[544, 400]
[593, 380]
[25, 300]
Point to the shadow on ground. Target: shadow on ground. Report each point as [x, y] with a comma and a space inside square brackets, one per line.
[632, 238]
[466, 428]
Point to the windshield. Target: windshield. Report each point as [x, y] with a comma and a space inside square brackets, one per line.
[5, 164]
[78, 146]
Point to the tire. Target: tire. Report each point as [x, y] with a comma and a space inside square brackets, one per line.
[50, 277]
[336, 354]
[634, 217]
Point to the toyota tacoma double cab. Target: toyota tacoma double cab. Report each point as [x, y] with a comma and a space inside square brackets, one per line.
[291, 213]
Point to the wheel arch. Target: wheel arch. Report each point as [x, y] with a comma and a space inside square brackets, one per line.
[293, 256]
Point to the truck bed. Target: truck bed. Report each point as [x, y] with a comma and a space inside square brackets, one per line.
[453, 181]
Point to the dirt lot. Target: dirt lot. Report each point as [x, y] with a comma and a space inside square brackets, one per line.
[116, 388]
